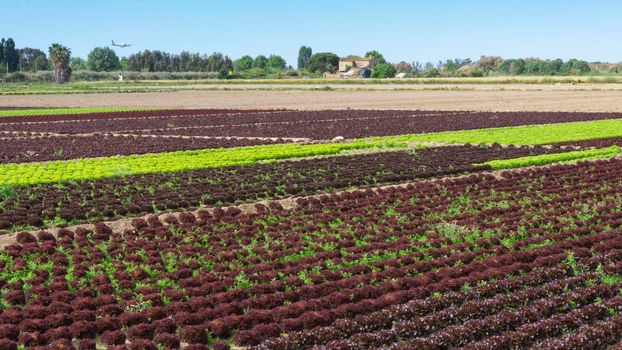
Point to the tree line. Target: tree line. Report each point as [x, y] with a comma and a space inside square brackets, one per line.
[31, 60]
[486, 65]
[104, 59]
[26, 59]
[495, 65]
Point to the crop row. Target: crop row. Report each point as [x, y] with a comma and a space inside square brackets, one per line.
[594, 143]
[526, 134]
[542, 159]
[319, 125]
[16, 112]
[188, 119]
[47, 148]
[81, 114]
[251, 277]
[54, 204]
[358, 127]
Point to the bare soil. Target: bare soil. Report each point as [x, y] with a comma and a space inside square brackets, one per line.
[489, 97]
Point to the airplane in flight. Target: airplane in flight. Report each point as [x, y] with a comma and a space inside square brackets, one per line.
[120, 44]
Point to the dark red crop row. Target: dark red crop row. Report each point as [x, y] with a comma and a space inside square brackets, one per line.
[123, 115]
[142, 194]
[189, 120]
[594, 143]
[425, 316]
[373, 123]
[456, 326]
[46, 148]
[319, 125]
[437, 257]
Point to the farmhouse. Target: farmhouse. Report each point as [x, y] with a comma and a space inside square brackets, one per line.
[353, 67]
[356, 62]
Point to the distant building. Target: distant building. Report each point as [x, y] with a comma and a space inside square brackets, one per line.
[345, 64]
[353, 67]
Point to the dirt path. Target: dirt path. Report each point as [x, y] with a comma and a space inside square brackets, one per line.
[547, 98]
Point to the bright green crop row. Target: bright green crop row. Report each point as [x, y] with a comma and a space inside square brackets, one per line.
[57, 111]
[526, 134]
[93, 168]
[554, 158]
[30, 173]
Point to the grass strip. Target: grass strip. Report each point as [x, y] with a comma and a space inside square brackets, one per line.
[58, 111]
[553, 158]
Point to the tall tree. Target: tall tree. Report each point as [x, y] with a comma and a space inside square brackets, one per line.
[304, 54]
[228, 64]
[77, 63]
[184, 61]
[32, 60]
[123, 64]
[103, 59]
[277, 62]
[323, 62]
[40, 63]
[488, 63]
[243, 63]
[2, 65]
[260, 62]
[417, 67]
[11, 56]
[377, 55]
[60, 57]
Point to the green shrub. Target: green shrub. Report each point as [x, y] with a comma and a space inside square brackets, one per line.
[222, 73]
[235, 75]
[15, 77]
[431, 73]
[383, 70]
[476, 73]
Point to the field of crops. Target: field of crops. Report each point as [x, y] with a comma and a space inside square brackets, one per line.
[281, 229]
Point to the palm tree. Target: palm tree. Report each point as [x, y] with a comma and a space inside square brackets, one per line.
[60, 56]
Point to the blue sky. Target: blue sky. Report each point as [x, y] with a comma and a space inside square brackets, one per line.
[400, 29]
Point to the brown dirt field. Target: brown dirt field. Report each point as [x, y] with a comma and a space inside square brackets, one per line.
[389, 87]
[586, 97]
